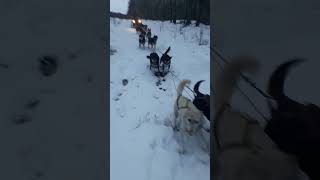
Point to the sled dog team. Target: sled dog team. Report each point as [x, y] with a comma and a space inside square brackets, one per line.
[286, 148]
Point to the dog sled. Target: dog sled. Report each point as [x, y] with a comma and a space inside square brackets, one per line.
[160, 66]
[136, 22]
[141, 28]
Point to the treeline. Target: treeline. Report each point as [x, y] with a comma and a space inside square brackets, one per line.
[118, 15]
[173, 10]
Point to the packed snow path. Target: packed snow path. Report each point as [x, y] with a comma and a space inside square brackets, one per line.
[142, 144]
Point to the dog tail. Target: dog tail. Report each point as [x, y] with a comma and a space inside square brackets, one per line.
[226, 81]
[196, 88]
[167, 50]
[181, 86]
[276, 82]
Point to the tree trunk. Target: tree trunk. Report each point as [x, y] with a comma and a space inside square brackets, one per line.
[188, 22]
[199, 12]
[171, 14]
[175, 12]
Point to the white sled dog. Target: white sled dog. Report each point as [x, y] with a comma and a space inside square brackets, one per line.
[241, 149]
[188, 120]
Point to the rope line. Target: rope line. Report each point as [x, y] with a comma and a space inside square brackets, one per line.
[245, 95]
[176, 86]
[186, 85]
[251, 83]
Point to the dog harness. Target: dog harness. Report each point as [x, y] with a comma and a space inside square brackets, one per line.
[185, 105]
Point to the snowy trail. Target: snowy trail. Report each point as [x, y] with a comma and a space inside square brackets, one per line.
[142, 143]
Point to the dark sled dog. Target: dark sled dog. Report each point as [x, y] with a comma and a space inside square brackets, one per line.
[165, 62]
[142, 40]
[294, 126]
[148, 34]
[152, 41]
[154, 62]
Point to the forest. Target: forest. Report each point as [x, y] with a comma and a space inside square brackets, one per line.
[172, 10]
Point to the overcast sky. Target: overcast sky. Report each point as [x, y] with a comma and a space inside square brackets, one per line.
[119, 6]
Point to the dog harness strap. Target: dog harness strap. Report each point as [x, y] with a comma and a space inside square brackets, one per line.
[185, 106]
[178, 101]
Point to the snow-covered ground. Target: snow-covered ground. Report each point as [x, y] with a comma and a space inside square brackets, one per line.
[142, 145]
